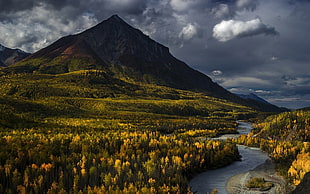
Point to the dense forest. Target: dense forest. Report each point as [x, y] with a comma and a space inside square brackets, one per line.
[40, 161]
[286, 138]
[86, 132]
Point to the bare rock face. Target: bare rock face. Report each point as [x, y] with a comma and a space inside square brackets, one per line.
[113, 39]
[10, 56]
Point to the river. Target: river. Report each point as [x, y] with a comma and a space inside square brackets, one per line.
[251, 158]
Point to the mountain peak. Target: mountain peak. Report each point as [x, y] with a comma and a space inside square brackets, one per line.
[115, 18]
[117, 42]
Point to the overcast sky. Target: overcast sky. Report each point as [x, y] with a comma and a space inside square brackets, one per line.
[259, 46]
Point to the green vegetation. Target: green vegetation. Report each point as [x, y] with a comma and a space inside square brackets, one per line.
[93, 99]
[258, 183]
[286, 138]
[89, 132]
[104, 161]
[290, 126]
[57, 65]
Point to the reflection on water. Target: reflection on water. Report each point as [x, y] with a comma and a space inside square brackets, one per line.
[251, 158]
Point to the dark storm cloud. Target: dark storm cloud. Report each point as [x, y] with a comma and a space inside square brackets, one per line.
[171, 21]
[102, 8]
[40, 25]
[228, 9]
[122, 6]
[16, 5]
[31, 25]
[7, 6]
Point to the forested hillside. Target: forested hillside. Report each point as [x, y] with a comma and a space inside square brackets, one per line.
[89, 99]
[84, 131]
[286, 138]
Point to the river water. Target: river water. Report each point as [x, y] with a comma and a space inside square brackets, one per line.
[251, 158]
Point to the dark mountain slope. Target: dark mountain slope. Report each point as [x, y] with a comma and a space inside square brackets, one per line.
[253, 97]
[10, 56]
[118, 43]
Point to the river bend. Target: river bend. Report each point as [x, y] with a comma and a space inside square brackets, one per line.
[251, 158]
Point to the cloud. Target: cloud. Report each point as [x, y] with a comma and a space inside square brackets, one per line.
[240, 90]
[217, 72]
[221, 11]
[246, 4]
[250, 82]
[128, 6]
[263, 92]
[230, 29]
[8, 6]
[34, 29]
[230, 9]
[190, 31]
[185, 5]
[291, 102]
[297, 83]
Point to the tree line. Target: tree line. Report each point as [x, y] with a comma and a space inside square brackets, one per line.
[105, 161]
[285, 137]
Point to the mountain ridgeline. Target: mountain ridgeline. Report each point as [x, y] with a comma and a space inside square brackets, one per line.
[124, 53]
[253, 96]
[10, 56]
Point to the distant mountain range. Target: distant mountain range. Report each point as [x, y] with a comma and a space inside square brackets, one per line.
[125, 53]
[253, 97]
[10, 56]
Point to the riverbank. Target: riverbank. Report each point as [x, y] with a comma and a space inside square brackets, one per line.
[232, 178]
[235, 184]
[217, 178]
